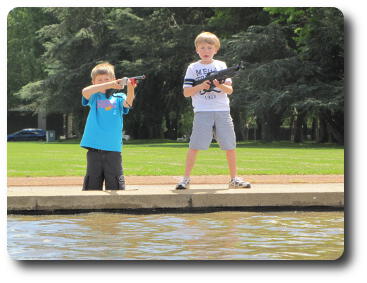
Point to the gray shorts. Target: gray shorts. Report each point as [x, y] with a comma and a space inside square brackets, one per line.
[209, 124]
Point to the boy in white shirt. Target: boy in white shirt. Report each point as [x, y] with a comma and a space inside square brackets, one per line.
[211, 110]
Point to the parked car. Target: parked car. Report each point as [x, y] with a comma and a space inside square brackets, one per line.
[28, 135]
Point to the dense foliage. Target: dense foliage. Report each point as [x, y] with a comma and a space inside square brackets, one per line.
[293, 78]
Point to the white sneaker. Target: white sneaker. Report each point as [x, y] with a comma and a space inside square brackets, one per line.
[184, 184]
[238, 183]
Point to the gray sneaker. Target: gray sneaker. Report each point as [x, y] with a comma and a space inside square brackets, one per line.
[238, 183]
[184, 184]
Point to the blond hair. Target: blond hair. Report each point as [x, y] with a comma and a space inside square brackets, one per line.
[207, 37]
[104, 68]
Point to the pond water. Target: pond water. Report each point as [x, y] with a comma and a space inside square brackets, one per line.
[225, 235]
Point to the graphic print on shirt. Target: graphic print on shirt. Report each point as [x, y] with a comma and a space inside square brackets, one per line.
[107, 104]
[201, 74]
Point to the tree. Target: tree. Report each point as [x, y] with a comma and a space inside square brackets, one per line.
[73, 44]
[319, 37]
[24, 50]
[271, 66]
[292, 73]
[161, 42]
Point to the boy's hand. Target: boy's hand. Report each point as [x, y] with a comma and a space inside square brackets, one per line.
[204, 85]
[226, 87]
[117, 84]
[132, 82]
[216, 83]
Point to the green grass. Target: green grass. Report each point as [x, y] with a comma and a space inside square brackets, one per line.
[162, 157]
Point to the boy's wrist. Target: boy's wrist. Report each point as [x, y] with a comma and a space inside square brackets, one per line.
[111, 84]
[105, 86]
[128, 104]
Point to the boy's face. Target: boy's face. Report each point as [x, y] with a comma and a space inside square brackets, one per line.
[103, 78]
[206, 51]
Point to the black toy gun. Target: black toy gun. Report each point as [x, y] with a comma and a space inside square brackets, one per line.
[123, 83]
[221, 76]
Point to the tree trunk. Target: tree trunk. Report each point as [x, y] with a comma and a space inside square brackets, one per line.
[266, 132]
[239, 124]
[335, 125]
[258, 130]
[323, 133]
[246, 132]
[305, 129]
[275, 122]
[271, 126]
[298, 131]
[291, 126]
[315, 129]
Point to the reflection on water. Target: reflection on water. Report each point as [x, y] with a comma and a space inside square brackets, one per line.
[200, 236]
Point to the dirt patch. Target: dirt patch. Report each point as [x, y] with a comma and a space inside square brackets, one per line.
[166, 180]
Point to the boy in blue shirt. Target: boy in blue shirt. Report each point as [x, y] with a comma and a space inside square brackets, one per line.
[103, 130]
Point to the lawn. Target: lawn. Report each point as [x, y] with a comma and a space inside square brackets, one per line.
[167, 158]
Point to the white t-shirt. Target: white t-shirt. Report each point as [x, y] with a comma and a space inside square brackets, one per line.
[208, 101]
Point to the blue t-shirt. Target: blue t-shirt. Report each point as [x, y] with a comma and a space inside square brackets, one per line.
[103, 129]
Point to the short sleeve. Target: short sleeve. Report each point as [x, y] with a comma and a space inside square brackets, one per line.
[189, 77]
[125, 110]
[90, 101]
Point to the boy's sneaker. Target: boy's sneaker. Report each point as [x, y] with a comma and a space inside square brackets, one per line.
[238, 183]
[184, 184]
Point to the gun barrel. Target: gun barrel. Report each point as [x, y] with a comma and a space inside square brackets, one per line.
[124, 80]
[142, 77]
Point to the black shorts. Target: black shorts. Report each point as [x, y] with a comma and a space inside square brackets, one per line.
[105, 166]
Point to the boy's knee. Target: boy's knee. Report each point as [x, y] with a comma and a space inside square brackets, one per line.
[93, 183]
[115, 182]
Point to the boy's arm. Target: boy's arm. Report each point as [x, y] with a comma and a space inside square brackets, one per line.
[190, 91]
[188, 88]
[130, 94]
[92, 89]
[226, 87]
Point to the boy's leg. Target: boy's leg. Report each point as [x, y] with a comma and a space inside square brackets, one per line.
[190, 161]
[224, 130]
[201, 137]
[114, 176]
[235, 181]
[226, 137]
[231, 159]
[93, 179]
[202, 130]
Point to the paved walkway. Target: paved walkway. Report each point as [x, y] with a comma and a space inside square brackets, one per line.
[151, 197]
[166, 180]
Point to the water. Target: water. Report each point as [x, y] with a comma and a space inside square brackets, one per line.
[201, 236]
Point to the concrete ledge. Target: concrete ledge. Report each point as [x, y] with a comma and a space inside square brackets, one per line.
[38, 199]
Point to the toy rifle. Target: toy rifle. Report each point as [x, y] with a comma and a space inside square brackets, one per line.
[221, 76]
[123, 83]
[133, 80]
